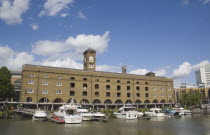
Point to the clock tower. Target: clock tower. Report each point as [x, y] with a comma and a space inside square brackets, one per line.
[89, 60]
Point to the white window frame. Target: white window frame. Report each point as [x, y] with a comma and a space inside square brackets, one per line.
[162, 89]
[31, 75]
[30, 81]
[59, 83]
[58, 91]
[46, 76]
[162, 95]
[155, 95]
[155, 88]
[30, 91]
[59, 77]
[170, 95]
[45, 83]
[45, 91]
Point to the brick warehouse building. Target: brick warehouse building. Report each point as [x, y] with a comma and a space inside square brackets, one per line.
[43, 84]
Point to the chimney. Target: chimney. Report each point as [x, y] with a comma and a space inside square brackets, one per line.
[124, 69]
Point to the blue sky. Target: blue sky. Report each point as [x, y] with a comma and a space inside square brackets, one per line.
[168, 37]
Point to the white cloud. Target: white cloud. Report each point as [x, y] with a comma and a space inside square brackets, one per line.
[206, 1]
[34, 26]
[64, 15]
[139, 71]
[81, 15]
[75, 45]
[52, 7]
[11, 13]
[14, 60]
[67, 63]
[186, 68]
[108, 68]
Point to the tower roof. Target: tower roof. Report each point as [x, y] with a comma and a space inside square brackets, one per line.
[89, 50]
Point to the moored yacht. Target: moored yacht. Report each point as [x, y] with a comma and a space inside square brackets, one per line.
[40, 115]
[182, 111]
[155, 112]
[128, 112]
[69, 113]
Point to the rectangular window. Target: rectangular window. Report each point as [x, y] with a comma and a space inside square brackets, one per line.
[72, 85]
[30, 91]
[162, 89]
[30, 81]
[72, 93]
[59, 83]
[146, 95]
[154, 88]
[162, 95]
[58, 92]
[108, 87]
[45, 83]
[128, 88]
[108, 94]
[118, 87]
[169, 95]
[138, 94]
[97, 94]
[128, 94]
[118, 94]
[96, 86]
[155, 95]
[44, 91]
[85, 86]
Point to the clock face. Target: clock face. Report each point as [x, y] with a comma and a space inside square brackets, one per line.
[91, 58]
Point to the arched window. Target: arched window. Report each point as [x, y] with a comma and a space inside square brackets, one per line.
[138, 102]
[137, 82]
[96, 101]
[44, 100]
[84, 101]
[128, 102]
[146, 101]
[70, 100]
[84, 79]
[128, 82]
[162, 101]
[118, 101]
[107, 80]
[72, 78]
[155, 101]
[108, 101]
[137, 88]
[118, 81]
[146, 82]
[170, 101]
[29, 99]
[58, 100]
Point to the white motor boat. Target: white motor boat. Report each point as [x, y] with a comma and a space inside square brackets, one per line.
[155, 112]
[182, 111]
[40, 115]
[86, 115]
[128, 112]
[99, 116]
[69, 113]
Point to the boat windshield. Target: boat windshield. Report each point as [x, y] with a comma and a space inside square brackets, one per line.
[71, 112]
[129, 109]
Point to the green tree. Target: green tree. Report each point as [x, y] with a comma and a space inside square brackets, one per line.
[6, 88]
[193, 97]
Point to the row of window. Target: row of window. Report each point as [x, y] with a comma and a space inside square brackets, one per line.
[108, 87]
[72, 93]
[97, 80]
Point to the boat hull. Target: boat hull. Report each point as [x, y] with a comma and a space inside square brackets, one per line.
[73, 119]
[125, 116]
